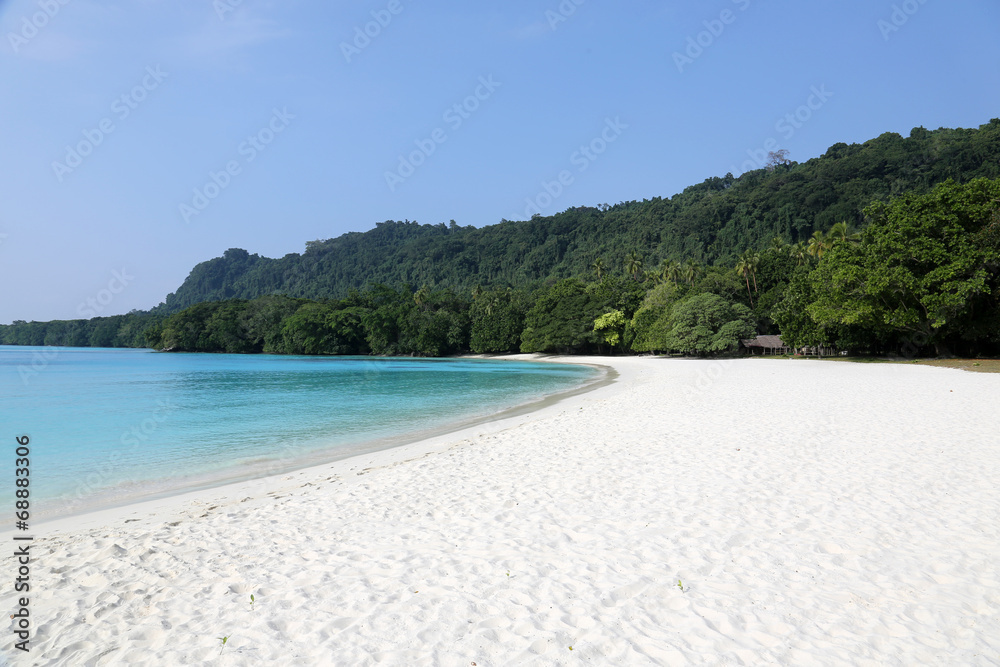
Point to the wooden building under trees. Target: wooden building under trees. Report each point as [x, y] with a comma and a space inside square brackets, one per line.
[765, 345]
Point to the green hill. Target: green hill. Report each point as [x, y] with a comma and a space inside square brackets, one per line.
[718, 251]
[711, 222]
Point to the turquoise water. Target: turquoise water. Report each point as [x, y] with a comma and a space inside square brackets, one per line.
[111, 426]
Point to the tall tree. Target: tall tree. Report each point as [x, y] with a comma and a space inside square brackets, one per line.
[753, 261]
[918, 269]
[840, 233]
[691, 271]
[670, 270]
[612, 326]
[743, 269]
[706, 324]
[497, 321]
[633, 265]
[800, 253]
[598, 267]
[819, 243]
[562, 319]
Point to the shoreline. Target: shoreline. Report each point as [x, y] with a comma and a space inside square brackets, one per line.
[205, 492]
[55, 509]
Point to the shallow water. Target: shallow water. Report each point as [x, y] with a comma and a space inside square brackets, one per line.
[109, 426]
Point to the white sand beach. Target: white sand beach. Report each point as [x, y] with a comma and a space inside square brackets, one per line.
[748, 512]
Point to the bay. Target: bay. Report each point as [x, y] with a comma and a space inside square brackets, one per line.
[109, 426]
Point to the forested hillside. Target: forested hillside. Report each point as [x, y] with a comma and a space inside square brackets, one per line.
[710, 223]
[864, 249]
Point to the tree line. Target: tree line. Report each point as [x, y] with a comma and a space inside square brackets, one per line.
[710, 223]
[922, 276]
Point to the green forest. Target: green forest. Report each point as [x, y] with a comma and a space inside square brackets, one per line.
[891, 246]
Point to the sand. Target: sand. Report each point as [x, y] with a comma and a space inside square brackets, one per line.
[813, 514]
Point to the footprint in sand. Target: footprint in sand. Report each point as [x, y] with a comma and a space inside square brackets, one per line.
[627, 592]
[829, 548]
[539, 646]
[96, 580]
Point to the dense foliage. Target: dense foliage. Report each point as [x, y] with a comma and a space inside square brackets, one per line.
[710, 223]
[497, 320]
[925, 272]
[379, 320]
[115, 331]
[915, 272]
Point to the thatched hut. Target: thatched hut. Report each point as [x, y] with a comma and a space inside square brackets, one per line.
[763, 345]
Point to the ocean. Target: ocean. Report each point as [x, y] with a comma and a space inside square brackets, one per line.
[110, 426]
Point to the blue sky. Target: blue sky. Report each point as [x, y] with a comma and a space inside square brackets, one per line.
[140, 137]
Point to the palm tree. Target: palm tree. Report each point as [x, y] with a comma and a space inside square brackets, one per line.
[653, 277]
[420, 296]
[819, 243]
[800, 253]
[670, 270]
[753, 261]
[598, 267]
[662, 272]
[840, 233]
[633, 265]
[691, 271]
[743, 269]
[778, 245]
